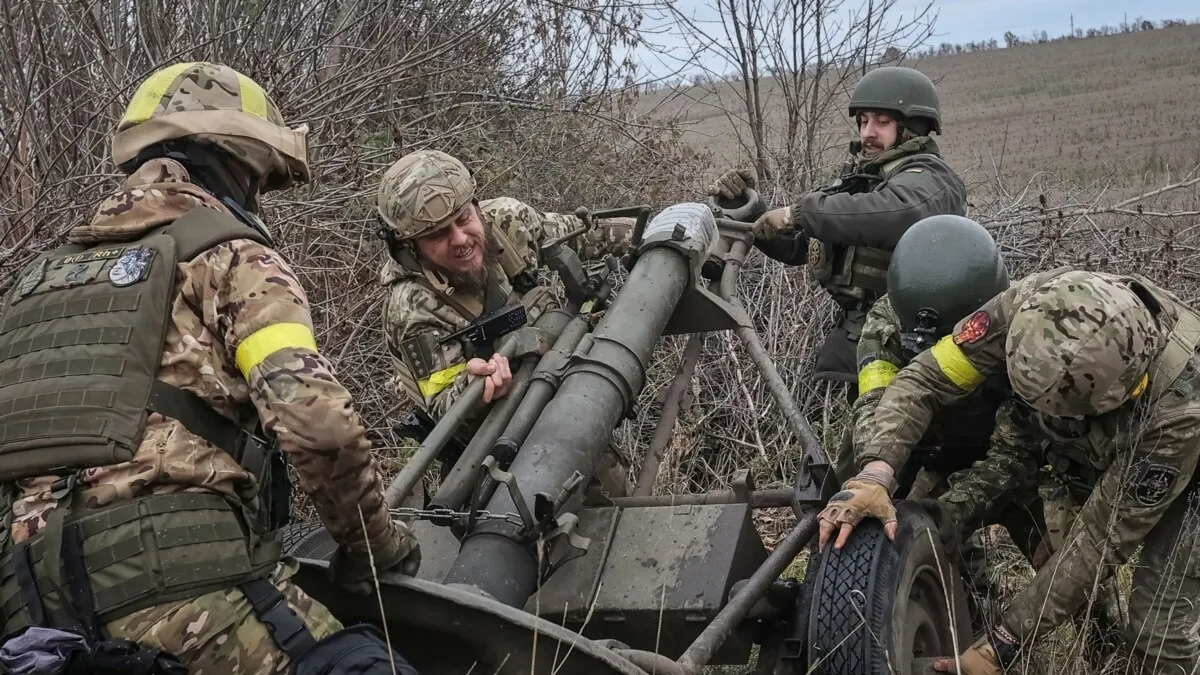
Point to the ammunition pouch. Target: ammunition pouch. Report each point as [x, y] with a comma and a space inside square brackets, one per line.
[129, 556]
[354, 650]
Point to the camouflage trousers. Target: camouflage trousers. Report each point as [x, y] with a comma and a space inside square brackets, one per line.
[218, 632]
[1163, 627]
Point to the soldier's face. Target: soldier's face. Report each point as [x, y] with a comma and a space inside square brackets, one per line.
[458, 248]
[877, 131]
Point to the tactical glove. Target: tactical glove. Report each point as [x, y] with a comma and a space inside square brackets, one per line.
[732, 184]
[401, 552]
[771, 223]
[867, 494]
[990, 655]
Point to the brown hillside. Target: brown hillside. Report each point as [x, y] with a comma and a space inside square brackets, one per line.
[1077, 108]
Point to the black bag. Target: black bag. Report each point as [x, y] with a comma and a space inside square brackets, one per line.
[354, 650]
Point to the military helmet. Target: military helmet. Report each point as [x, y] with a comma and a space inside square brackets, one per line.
[906, 91]
[422, 191]
[1081, 344]
[943, 268]
[212, 103]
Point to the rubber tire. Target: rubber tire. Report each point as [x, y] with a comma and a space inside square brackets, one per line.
[851, 632]
[308, 540]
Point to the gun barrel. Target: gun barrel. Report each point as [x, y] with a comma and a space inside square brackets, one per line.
[606, 374]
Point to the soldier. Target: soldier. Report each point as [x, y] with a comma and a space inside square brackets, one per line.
[894, 177]
[943, 268]
[154, 374]
[454, 258]
[1107, 373]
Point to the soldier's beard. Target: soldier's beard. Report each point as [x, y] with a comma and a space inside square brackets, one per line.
[474, 280]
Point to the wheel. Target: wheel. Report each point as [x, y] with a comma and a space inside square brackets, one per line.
[877, 604]
[307, 540]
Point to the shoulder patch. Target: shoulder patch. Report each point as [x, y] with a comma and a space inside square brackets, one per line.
[131, 267]
[420, 354]
[1153, 483]
[975, 327]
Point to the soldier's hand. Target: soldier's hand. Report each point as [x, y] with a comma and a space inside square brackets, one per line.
[400, 552]
[732, 184]
[771, 223]
[861, 496]
[498, 375]
[979, 659]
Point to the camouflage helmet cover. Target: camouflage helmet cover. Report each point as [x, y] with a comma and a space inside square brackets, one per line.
[422, 192]
[906, 91]
[214, 103]
[1081, 344]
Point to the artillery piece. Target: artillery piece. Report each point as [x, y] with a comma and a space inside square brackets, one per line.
[526, 570]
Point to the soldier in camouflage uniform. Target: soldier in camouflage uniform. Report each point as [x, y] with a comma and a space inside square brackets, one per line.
[186, 345]
[454, 258]
[845, 232]
[943, 268]
[1108, 376]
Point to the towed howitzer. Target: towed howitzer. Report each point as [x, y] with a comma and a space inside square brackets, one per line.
[528, 568]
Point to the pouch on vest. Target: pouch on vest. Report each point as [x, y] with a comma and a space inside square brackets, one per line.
[81, 342]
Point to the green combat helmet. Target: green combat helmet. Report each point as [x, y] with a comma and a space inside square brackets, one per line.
[422, 192]
[1081, 345]
[905, 91]
[944, 267]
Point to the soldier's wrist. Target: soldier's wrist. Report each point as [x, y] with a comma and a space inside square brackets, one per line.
[881, 475]
[1004, 643]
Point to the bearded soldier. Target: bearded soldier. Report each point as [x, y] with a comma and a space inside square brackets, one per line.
[454, 258]
[846, 232]
[155, 373]
[1108, 379]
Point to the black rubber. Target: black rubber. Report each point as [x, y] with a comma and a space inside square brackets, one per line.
[860, 609]
[307, 540]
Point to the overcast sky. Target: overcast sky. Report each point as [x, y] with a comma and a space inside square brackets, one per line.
[963, 21]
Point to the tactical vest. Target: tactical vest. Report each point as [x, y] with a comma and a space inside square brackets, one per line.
[856, 276]
[81, 339]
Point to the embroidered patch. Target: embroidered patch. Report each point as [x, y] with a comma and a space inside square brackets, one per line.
[131, 267]
[31, 279]
[1154, 483]
[815, 252]
[975, 327]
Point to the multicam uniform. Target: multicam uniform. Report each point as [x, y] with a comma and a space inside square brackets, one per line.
[173, 532]
[1123, 443]
[419, 301]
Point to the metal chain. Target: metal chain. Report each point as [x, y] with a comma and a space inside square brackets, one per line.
[439, 514]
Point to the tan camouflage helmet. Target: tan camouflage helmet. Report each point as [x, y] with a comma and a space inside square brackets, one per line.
[216, 104]
[422, 192]
[1081, 345]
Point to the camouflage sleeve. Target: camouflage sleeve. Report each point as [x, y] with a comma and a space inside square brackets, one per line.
[944, 374]
[429, 374]
[880, 357]
[1009, 468]
[1129, 500]
[257, 308]
[529, 228]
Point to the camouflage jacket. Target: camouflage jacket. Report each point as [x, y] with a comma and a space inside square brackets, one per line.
[1127, 466]
[413, 306]
[223, 296]
[959, 434]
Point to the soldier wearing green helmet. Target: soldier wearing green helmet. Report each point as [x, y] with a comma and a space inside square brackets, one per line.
[453, 258]
[943, 268]
[845, 232]
[1106, 427]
